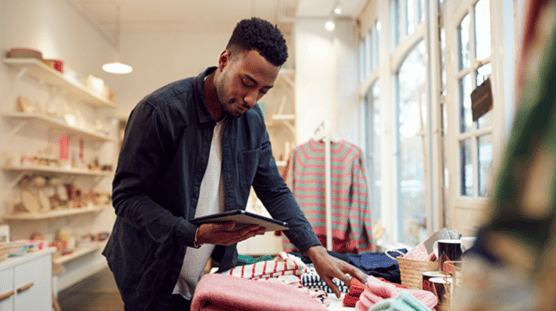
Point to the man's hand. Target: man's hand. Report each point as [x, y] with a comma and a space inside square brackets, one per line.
[220, 234]
[329, 267]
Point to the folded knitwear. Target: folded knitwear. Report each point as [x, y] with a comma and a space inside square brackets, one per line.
[356, 288]
[403, 302]
[217, 292]
[284, 264]
[377, 291]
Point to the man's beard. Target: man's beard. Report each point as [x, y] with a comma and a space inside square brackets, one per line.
[223, 103]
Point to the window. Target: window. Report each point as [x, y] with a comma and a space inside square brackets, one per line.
[411, 111]
[474, 137]
[408, 14]
[373, 135]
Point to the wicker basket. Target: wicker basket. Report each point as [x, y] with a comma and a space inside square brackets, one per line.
[411, 270]
[4, 250]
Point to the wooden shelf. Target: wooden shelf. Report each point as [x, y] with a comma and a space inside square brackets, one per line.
[58, 170]
[43, 121]
[37, 69]
[54, 214]
[79, 252]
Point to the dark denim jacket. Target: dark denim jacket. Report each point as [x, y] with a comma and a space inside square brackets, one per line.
[156, 188]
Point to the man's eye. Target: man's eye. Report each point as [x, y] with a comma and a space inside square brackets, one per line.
[246, 83]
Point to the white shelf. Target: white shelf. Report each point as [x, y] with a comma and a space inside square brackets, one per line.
[79, 252]
[37, 69]
[54, 214]
[43, 121]
[58, 170]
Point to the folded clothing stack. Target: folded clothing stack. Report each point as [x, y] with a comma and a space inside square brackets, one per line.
[224, 292]
[284, 264]
[356, 288]
[403, 302]
[377, 291]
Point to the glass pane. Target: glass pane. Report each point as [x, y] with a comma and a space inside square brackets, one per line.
[482, 29]
[421, 11]
[412, 120]
[397, 21]
[368, 64]
[484, 155]
[374, 42]
[362, 60]
[443, 48]
[465, 117]
[373, 134]
[466, 168]
[463, 38]
[411, 22]
[482, 74]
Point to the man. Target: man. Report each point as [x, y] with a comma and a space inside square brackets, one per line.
[193, 148]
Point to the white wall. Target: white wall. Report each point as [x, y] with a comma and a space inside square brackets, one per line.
[326, 79]
[158, 59]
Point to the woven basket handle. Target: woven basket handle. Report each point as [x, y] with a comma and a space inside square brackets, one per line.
[393, 250]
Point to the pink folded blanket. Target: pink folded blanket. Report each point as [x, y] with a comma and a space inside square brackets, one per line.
[377, 290]
[217, 292]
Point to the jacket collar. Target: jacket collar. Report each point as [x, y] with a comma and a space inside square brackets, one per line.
[202, 112]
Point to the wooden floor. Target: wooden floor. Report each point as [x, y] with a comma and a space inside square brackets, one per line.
[95, 293]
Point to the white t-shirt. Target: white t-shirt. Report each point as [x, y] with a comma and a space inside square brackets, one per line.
[211, 201]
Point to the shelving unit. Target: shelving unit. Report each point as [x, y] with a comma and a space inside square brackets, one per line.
[37, 69]
[56, 170]
[280, 119]
[55, 213]
[41, 121]
[67, 91]
[79, 252]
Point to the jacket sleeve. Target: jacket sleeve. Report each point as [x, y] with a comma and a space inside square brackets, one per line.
[280, 202]
[139, 163]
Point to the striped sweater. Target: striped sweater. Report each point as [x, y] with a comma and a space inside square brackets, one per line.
[350, 202]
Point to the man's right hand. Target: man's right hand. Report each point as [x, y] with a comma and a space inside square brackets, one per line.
[221, 234]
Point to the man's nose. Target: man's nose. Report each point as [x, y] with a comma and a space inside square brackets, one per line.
[251, 98]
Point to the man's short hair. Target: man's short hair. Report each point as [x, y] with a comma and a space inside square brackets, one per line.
[258, 34]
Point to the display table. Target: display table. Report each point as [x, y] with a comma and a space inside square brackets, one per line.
[26, 282]
[336, 304]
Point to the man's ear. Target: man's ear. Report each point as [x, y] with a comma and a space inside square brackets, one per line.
[224, 59]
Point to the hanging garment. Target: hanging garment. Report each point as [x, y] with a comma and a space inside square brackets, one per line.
[350, 202]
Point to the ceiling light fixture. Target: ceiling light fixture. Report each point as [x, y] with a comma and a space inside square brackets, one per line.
[337, 8]
[329, 25]
[117, 67]
[336, 11]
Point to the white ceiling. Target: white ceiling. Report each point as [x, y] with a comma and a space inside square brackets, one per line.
[163, 16]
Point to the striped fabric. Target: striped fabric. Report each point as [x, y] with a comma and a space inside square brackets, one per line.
[350, 202]
[284, 264]
[313, 280]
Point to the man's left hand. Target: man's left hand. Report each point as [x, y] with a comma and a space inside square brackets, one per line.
[329, 267]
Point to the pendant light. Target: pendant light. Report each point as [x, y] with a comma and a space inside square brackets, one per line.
[117, 67]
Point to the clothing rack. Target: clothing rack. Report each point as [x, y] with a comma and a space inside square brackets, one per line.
[322, 132]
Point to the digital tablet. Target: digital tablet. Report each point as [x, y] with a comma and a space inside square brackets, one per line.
[242, 219]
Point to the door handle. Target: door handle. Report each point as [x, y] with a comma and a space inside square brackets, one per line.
[6, 295]
[25, 287]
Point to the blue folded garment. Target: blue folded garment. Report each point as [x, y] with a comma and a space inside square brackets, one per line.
[403, 302]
